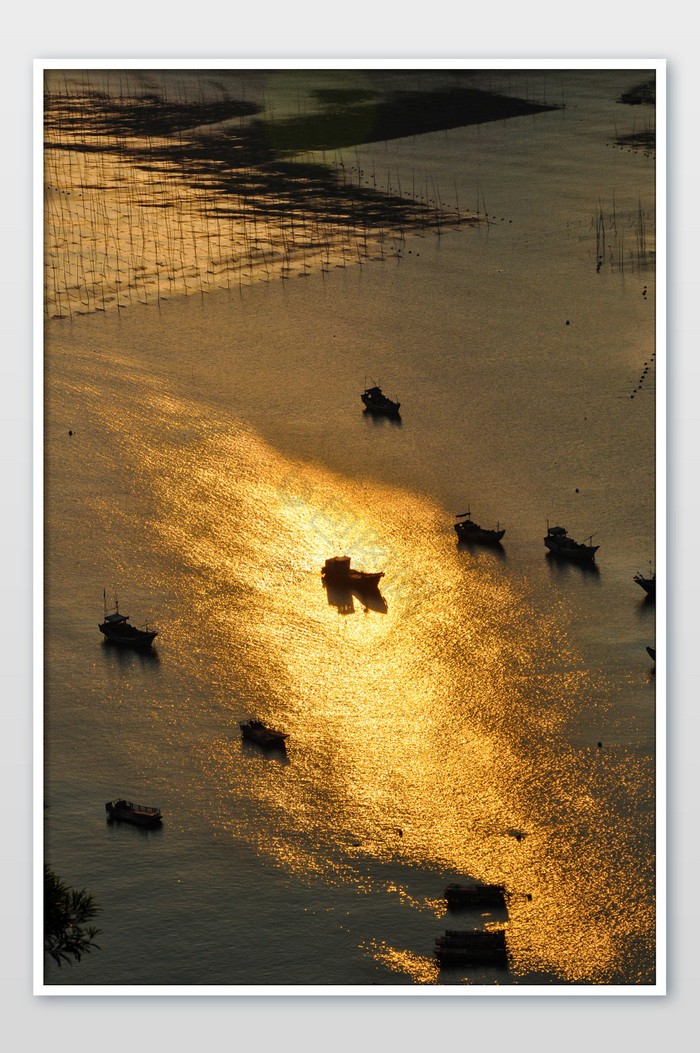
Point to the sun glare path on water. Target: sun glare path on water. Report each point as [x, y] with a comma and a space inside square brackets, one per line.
[429, 730]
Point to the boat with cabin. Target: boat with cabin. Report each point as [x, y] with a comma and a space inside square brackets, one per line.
[468, 530]
[560, 544]
[377, 402]
[269, 738]
[337, 571]
[136, 814]
[117, 629]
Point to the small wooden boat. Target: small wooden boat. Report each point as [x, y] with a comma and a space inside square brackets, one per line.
[468, 530]
[117, 629]
[560, 544]
[377, 402]
[473, 896]
[137, 814]
[268, 738]
[337, 571]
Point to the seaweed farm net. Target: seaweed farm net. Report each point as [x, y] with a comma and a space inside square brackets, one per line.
[146, 198]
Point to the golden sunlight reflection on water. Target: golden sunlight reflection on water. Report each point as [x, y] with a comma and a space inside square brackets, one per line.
[431, 733]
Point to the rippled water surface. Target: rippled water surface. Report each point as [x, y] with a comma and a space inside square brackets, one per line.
[492, 715]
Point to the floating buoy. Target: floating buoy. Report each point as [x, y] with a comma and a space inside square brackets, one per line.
[70, 432]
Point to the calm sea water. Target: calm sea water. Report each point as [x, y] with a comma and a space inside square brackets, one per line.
[219, 453]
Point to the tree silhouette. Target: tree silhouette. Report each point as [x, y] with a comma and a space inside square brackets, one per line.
[65, 912]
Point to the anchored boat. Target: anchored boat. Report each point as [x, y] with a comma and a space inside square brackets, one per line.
[337, 571]
[560, 544]
[468, 530]
[377, 402]
[117, 629]
[268, 738]
[137, 814]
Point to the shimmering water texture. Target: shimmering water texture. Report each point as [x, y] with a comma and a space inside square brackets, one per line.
[489, 714]
[431, 731]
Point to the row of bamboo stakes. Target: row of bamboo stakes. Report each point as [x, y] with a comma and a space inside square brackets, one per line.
[125, 226]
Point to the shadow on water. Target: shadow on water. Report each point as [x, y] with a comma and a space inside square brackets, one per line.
[381, 419]
[276, 754]
[646, 608]
[131, 830]
[129, 656]
[452, 971]
[371, 600]
[341, 598]
[481, 548]
[562, 567]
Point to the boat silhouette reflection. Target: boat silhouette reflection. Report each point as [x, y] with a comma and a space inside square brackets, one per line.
[380, 419]
[272, 754]
[563, 567]
[128, 656]
[488, 551]
[342, 597]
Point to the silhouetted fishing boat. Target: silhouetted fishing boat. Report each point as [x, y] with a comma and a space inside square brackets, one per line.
[137, 814]
[648, 584]
[268, 738]
[377, 402]
[468, 530]
[651, 651]
[560, 544]
[477, 948]
[337, 571]
[474, 896]
[117, 629]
